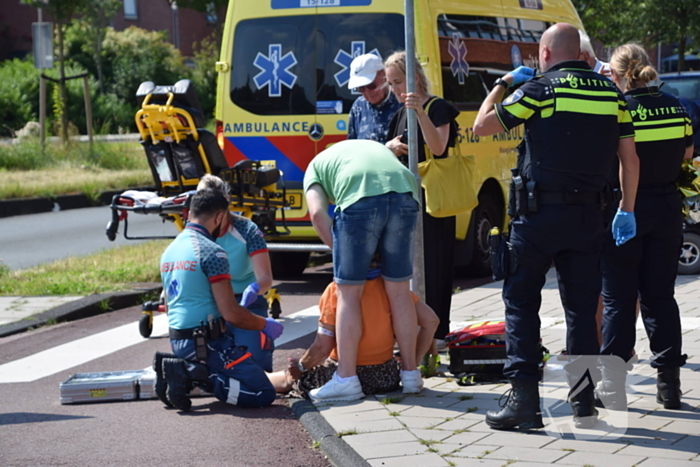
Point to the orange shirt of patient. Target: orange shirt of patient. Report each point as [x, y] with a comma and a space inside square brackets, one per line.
[377, 342]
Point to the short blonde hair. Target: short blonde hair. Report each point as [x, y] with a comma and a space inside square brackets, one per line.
[398, 60]
[631, 62]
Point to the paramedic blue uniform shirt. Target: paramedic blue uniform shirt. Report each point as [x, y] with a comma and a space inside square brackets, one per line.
[367, 121]
[574, 120]
[242, 241]
[646, 266]
[188, 267]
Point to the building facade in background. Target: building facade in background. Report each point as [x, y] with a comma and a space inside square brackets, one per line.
[184, 26]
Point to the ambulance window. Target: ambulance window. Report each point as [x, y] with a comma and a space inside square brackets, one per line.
[493, 28]
[272, 68]
[466, 96]
[475, 50]
[298, 65]
[340, 38]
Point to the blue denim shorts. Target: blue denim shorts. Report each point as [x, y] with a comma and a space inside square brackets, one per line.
[386, 223]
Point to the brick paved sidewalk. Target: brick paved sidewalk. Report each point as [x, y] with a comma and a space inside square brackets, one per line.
[445, 426]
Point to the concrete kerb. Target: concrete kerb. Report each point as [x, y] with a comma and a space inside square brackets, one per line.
[83, 308]
[16, 207]
[338, 452]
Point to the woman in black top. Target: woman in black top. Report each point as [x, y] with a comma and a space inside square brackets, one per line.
[646, 266]
[438, 131]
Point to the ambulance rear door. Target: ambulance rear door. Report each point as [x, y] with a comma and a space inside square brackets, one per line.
[287, 97]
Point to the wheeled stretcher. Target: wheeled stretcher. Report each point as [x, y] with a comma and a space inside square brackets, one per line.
[179, 152]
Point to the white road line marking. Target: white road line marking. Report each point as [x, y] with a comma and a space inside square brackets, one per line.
[71, 354]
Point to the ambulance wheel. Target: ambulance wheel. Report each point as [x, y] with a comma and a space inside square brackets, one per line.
[689, 261]
[485, 216]
[288, 263]
[275, 309]
[145, 325]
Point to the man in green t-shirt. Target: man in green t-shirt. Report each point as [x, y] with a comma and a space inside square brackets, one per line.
[376, 200]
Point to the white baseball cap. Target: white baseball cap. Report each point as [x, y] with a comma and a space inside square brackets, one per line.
[363, 70]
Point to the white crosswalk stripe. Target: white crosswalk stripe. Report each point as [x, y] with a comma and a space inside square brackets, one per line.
[74, 353]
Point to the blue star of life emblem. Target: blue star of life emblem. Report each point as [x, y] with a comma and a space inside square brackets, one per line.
[458, 52]
[275, 70]
[173, 289]
[344, 59]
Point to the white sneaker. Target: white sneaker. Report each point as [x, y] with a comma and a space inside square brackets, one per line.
[440, 345]
[411, 382]
[334, 390]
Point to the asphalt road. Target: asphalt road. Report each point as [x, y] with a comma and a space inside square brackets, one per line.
[34, 239]
[35, 429]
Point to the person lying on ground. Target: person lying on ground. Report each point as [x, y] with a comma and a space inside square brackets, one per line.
[377, 369]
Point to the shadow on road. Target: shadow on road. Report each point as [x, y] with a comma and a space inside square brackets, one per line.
[20, 418]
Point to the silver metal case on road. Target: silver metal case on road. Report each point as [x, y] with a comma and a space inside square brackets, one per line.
[146, 381]
[102, 386]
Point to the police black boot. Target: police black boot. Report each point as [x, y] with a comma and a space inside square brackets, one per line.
[175, 375]
[583, 406]
[198, 375]
[668, 385]
[160, 385]
[521, 410]
[610, 393]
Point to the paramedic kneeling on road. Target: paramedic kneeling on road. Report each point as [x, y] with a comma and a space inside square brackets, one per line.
[200, 301]
[251, 272]
[576, 121]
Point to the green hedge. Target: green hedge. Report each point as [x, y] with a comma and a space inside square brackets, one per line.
[129, 58]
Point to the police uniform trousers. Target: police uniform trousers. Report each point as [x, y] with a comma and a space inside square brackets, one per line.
[236, 376]
[439, 264]
[646, 267]
[571, 235]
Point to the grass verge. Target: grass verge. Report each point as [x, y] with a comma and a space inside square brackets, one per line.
[53, 182]
[107, 271]
[71, 169]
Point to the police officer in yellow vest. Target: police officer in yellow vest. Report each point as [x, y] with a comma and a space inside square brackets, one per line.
[576, 121]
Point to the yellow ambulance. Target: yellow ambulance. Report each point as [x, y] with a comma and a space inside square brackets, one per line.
[283, 95]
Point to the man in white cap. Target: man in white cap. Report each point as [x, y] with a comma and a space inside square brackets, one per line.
[371, 113]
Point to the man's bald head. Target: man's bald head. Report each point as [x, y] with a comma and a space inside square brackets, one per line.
[559, 43]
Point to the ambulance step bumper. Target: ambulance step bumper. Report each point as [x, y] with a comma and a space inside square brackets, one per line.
[312, 247]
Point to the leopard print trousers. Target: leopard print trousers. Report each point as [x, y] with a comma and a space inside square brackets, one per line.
[375, 379]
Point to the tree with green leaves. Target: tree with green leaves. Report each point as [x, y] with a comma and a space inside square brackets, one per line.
[62, 12]
[674, 21]
[96, 16]
[614, 22]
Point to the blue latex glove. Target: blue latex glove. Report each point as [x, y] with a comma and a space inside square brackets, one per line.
[521, 74]
[624, 227]
[250, 294]
[272, 329]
